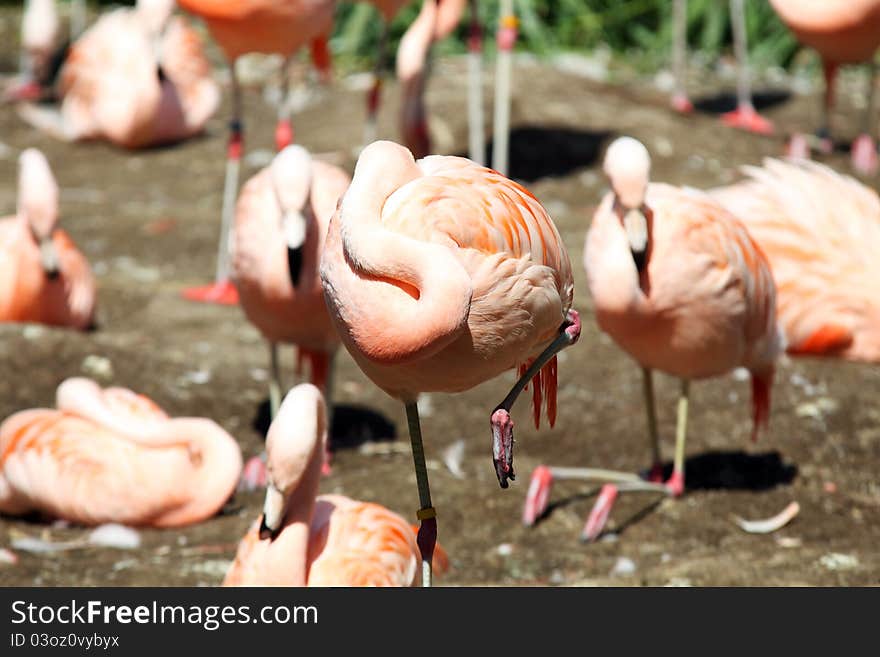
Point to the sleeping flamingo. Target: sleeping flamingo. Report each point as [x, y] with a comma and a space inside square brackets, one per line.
[114, 456]
[744, 116]
[329, 540]
[843, 32]
[280, 223]
[678, 283]
[441, 274]
[137, 78]
[265, 26]
[820, 231]
[43, 277]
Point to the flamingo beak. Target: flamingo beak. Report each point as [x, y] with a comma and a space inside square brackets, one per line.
[636, 226]
[294, 227]
[49, 258]
[273, 512]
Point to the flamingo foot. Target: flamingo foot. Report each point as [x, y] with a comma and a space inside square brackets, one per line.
[254, 474]
[283, 134]
[502, 446]
[538, 495]
[325, 466]
[675, 484]
[27, 91]
[798, 146]
[682, 104]
[221, 292]
[599, 515]
[427, 538]
[745, 117]
[864, 155]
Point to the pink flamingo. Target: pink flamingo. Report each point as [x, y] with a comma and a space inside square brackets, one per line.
[843, 32]
[441, 274]
[330, 540]
[820, 231]
[114, 456]
[744, 116]
[280, 223]
[44, 277]
[680, 286]
[266, 26]
[137, 78]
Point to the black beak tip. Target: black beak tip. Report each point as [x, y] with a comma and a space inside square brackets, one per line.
[53, 274]
[640, 258]
[294, 264]
[265, 532]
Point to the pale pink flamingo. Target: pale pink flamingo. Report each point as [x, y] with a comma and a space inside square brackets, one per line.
[43, 277]
[820, 231]
[744, 116]
[280, 223]
[138, 77]
[114, 456]
[266, 26]
[843, 32]
[307, 540]
[678, 283]
[441, 274]
[40, 40]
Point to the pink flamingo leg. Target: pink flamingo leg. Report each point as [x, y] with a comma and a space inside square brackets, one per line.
[501, 422]
[864, 148]
[427, 515]
[374, 97]
[680, 101]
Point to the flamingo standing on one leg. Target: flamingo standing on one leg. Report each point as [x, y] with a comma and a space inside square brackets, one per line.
[137, 78]
[330, 540]
[744, 116]
[114, 456]
[441, 274]
[843, 32]
[821, 232]
[280, 224]
[680, 285]
[43, 277]
[266, 26]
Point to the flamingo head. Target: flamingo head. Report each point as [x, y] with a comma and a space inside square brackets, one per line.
[38, 205]
[628, 165]
[291, 173]
[295, 451]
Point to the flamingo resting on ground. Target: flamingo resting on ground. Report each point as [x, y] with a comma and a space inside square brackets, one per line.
[441, 274]
[114, 456]
[330, 540]
[43, 277]
[264, 26]
[821, 232]
[138, 77]
[843, 32]
[679, 285]
[744, 116]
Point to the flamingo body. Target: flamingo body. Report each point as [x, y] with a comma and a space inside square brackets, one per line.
[820, 231]
[64, 296]
[138, 468]
[441, 274]
[843, 31]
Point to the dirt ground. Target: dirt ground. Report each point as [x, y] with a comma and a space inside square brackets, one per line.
[148, 221]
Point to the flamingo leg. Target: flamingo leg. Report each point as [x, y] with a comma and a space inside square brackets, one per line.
[829, 70]
[284, 128]
[77, 18]
[274, 381]
[680, 101]
[476, 139]
[328, 397]
[654, 440]
[676, 481]
[427, 515]
[374, 98]
[222, 291]
[744, 116]
[864, 149]
[506, 41]
[501, 423]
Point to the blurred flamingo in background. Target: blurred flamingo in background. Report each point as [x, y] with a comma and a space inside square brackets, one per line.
[280, 224]
[137, 78]
[265, 26]
[441, 274]
[114, 456]
[842, 32]
[330, 540]
[744, 116]
[43, 277]
[40, 42]
[680, 285]
[821, 232]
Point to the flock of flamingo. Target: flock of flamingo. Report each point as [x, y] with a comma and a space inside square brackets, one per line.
[436, 273]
